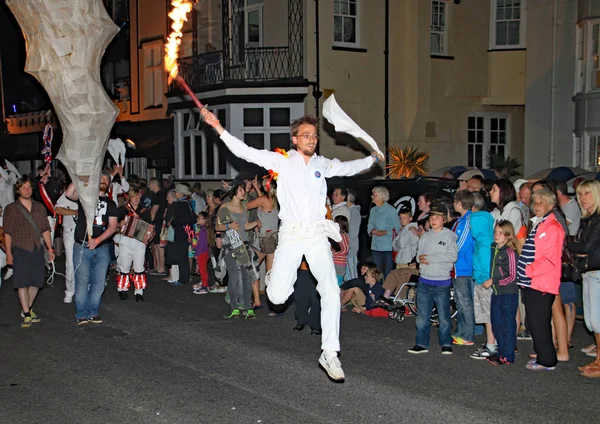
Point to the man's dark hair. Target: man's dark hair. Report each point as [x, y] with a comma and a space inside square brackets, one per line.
[546, 185]
[306, 119]
[342, 190]
[465, 198]
[561, 187]
[20, 183]
[197, 186]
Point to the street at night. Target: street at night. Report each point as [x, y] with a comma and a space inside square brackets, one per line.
[175, 359]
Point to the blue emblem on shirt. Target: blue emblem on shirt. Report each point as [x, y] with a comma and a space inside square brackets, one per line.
[317, 174]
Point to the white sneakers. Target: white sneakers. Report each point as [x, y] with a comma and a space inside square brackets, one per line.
[332, 366]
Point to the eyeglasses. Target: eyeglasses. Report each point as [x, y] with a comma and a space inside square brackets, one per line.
[309, 136]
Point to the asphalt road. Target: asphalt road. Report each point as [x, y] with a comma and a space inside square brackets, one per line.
[174, 359]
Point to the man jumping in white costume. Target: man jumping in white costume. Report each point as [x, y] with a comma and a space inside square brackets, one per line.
[301, 191]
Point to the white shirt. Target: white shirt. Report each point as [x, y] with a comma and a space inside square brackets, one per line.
[301, 187]
[68, 220]
[8, 179]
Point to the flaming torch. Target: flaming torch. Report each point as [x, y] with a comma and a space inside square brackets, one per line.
[179, 16]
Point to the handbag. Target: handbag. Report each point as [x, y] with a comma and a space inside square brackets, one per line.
[569, 272]
[164, 232]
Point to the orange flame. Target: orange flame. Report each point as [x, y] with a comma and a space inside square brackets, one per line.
[179, 16]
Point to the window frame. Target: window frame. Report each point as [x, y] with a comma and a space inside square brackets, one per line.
[588, 61]
[580, 58]
[185, 127]
[591, 143]
[266, 129]
[487, 131]
[522, 28]
[157, 72]
[444, 33]
[356, 44]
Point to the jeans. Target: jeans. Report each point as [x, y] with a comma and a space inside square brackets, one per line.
[504, 326]
[463, 291]
[427, 295]
[383, 261]
[240, 284]
[90, 278]
[591, 300]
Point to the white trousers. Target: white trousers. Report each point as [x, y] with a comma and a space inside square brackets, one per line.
[297, 240]
[131, 252]
[69, 242]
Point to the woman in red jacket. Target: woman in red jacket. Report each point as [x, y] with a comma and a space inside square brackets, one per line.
[538, 272]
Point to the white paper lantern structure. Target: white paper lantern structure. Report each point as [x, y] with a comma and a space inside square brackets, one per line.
[66, 40]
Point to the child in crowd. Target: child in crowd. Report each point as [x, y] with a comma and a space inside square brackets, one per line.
[407, 240]
[436, 253]
[505, 297]
[405, 244]
[339, 255]
[359, 282]
[482, 230]
[200, 246]
[364, 292]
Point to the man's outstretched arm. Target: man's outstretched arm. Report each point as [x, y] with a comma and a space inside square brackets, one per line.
[264, 158]
[337, 168]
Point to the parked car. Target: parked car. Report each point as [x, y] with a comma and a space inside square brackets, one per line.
[403, 193]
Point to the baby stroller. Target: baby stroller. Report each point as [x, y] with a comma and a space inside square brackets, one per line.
[397, 305]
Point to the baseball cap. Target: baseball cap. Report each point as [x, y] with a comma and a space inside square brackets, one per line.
[438, 208]
[467, 175]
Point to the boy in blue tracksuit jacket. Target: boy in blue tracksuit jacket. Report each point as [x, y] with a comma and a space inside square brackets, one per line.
[463, 269]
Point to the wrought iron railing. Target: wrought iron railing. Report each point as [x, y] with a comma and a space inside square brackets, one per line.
[252, 64]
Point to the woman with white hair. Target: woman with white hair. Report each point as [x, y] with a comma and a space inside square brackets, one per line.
[539, 273]
[588, 261]
[383, 220]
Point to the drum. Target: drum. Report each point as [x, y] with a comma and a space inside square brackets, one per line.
[137, 229]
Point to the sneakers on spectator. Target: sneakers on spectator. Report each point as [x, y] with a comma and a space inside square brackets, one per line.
[217, 289]
[333, 367]
[82, 321]
[249, 314]
[201, 290]
[534, 366]
[234, 314]
[446, 350]
[34, 317]
[482, 353]
[461, 342]
[26, 322]
[95, 319]
[498, 360]
[524, 335]
[416, 349]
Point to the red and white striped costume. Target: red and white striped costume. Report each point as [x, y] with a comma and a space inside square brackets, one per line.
[130, 260]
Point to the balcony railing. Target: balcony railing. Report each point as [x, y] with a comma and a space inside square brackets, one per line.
[258, 64]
